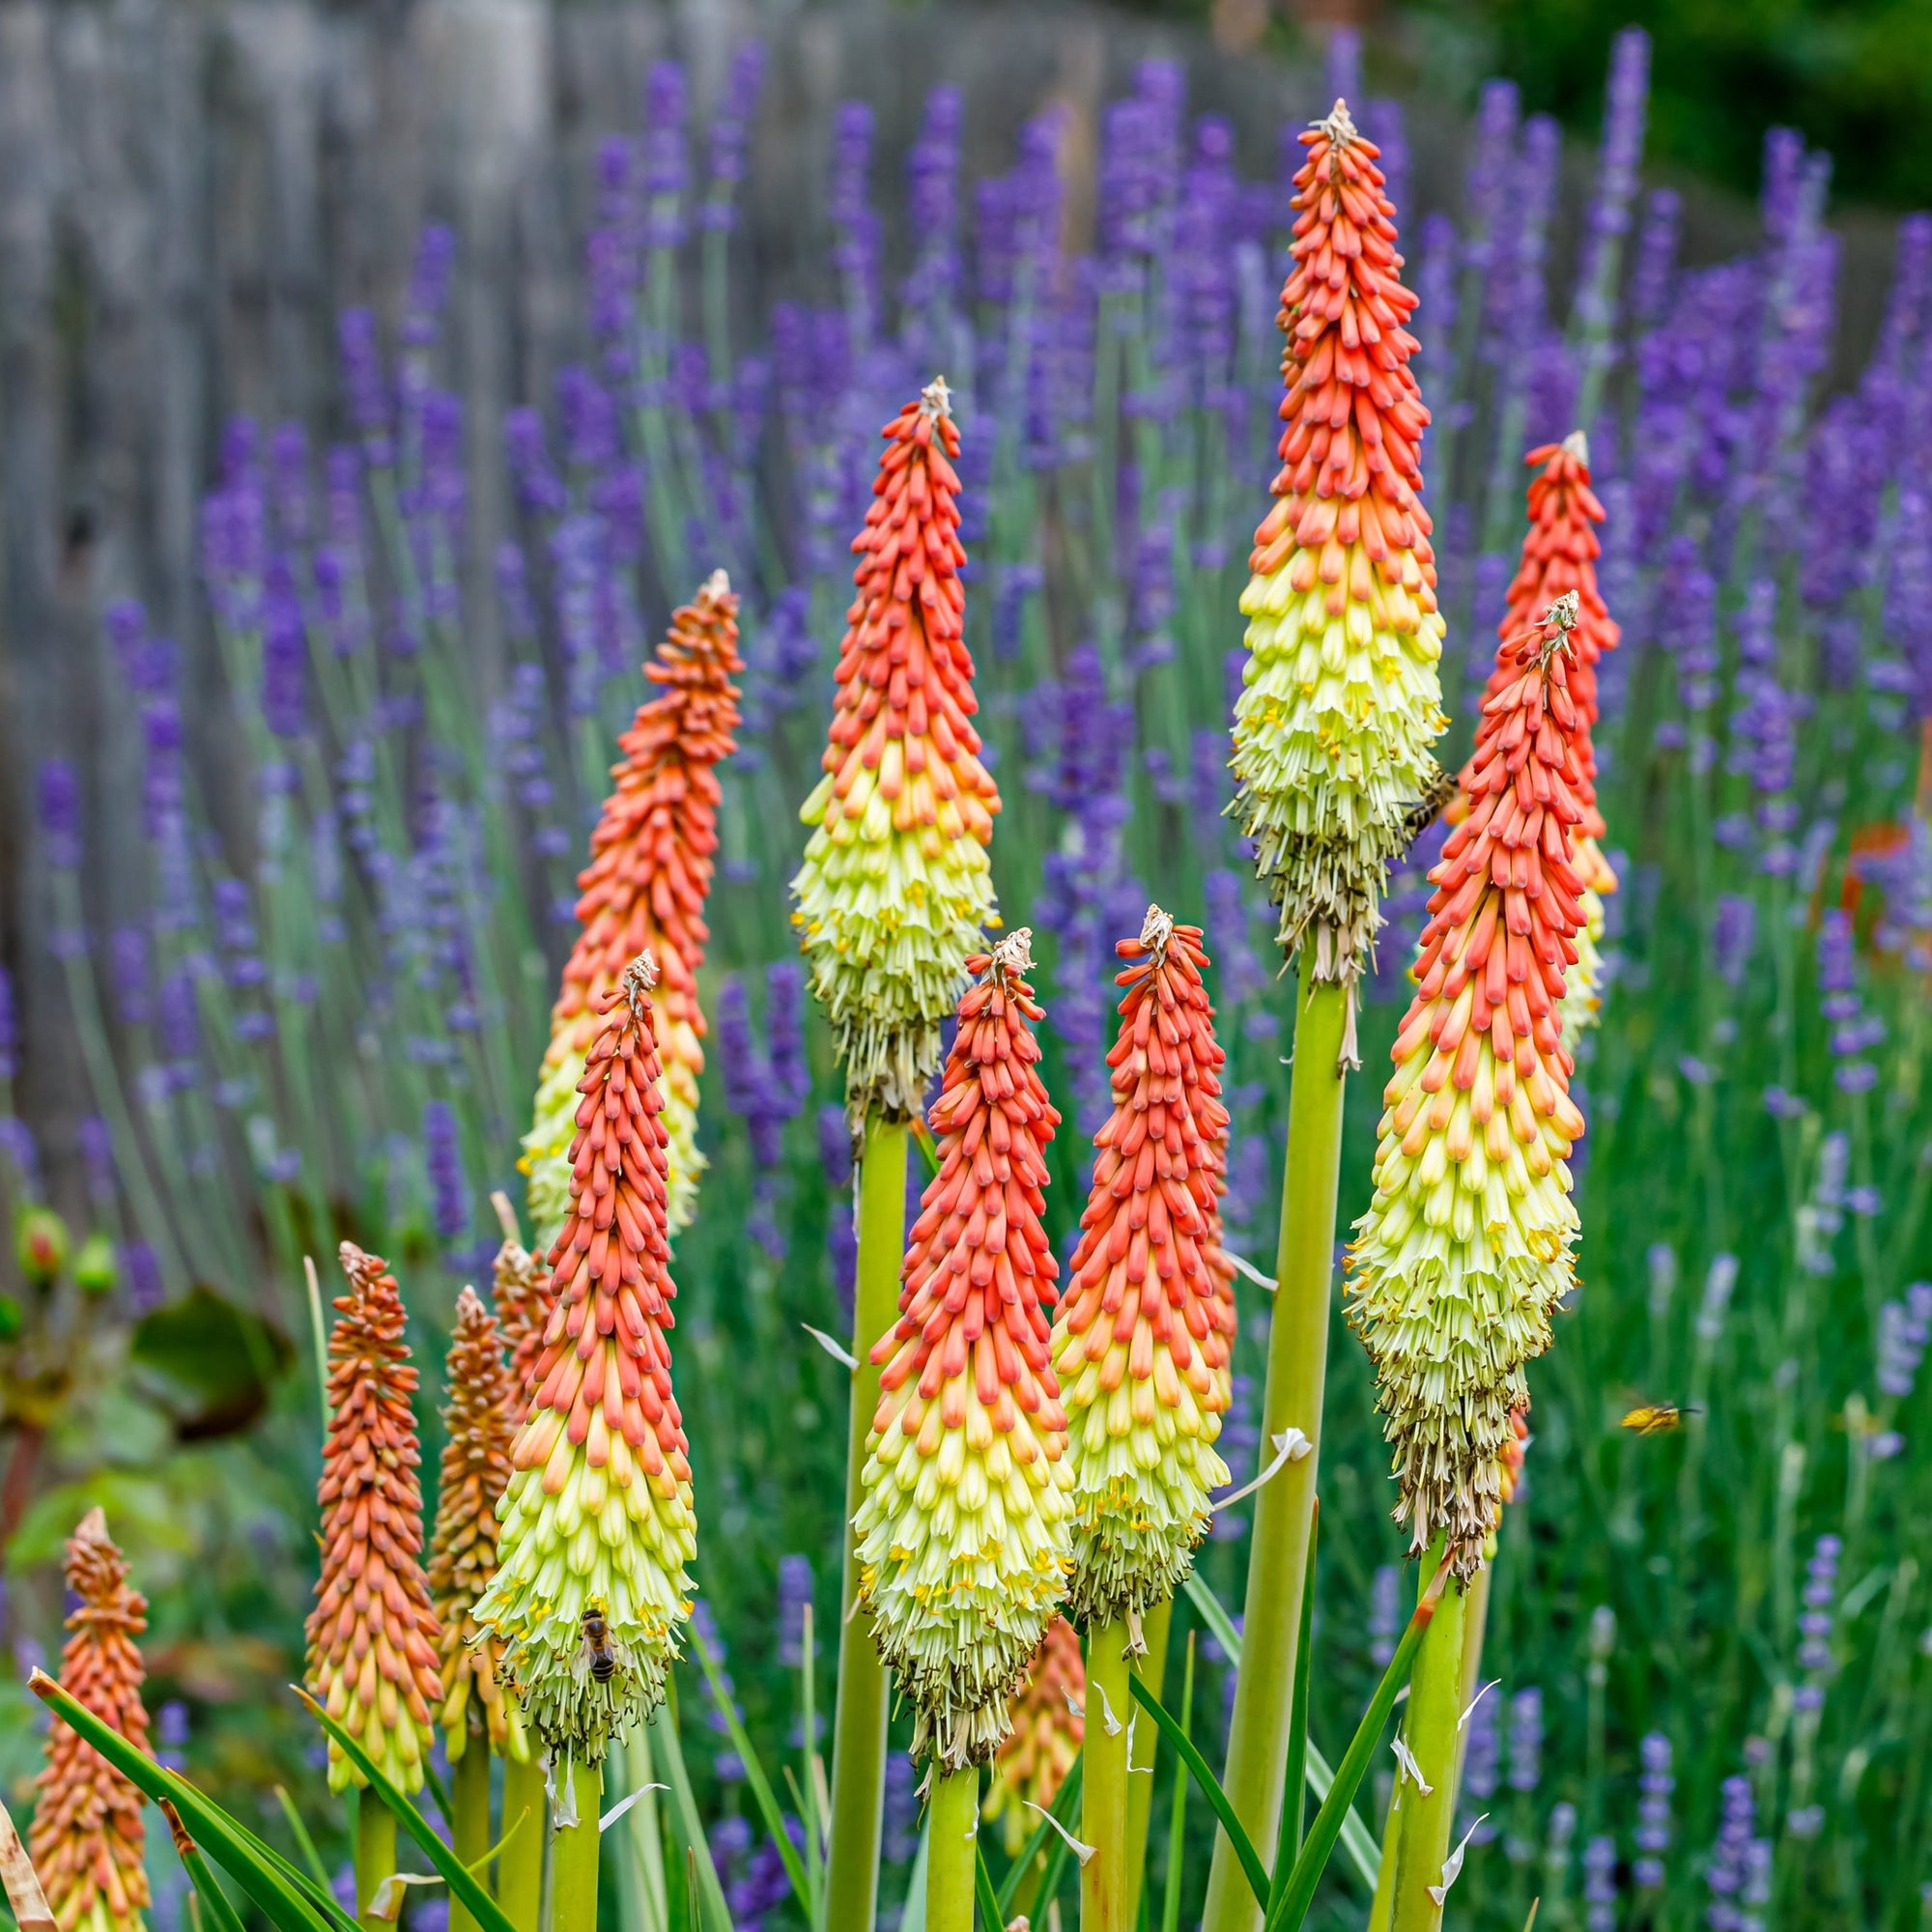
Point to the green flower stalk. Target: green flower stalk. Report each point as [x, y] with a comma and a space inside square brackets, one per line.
[596, 1521]
[892, 895]
[1466, 1248]
[963, 1532]
[1340, 704]
[1341, 701]
[896, 886]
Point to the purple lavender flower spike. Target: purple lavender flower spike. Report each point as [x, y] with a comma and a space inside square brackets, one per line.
[442, 1161]
[59, 807]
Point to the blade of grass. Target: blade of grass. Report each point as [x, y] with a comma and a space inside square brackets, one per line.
[984, 1894]
[1177, 1827]
[1357, 1840]
[1061, 1808]
[1288, 1838]
[280, 1898]
[304, 1844]
[484, 1909]
[1251, 1865]
[221, 1915]
[1289, 1911]
[707, 1895]
[755, 1777]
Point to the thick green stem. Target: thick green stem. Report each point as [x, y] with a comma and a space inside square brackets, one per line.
[573, 1904]
[1434, 1703]
[1284, 1508]
[1103, 1789]
[1475, 1623]
[469, 1829]
[953, 1851]
[858, 1723]
[519, 1865]
[375, 1855]
[1151, 1670]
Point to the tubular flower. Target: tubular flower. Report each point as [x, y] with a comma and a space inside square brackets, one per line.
[1466, 1248]
[372, 1636]
[521, 1291]
[1045, 1735]
[895, 883]
[1138, 1346]
[480, 1421]
[1560, 550]
[1341, 701]
[644, 890]
[962, 1533]
[86, 1839]
[598, 1521]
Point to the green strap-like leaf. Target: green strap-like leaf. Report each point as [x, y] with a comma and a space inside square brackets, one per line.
[1288, 1910]
[221, 1915]
[708, 1897]
[755, 1777]
[474, 1899]
[1210, 1788]
[984, 1895]
[278, 1898]
[1357, 1840]
[1287, 1837]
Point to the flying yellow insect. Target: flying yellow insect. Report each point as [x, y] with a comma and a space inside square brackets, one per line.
[1655, 1418]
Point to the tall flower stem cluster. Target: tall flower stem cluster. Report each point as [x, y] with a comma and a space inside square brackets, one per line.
[373, 1635]
[963, 1534]
[1560, 550]
[645, 890]
[1141, 1349]
[892, 895]
[479, 1717]
[1338, 706]
[87, 1836]
[1466, 1249]
[596, 1521]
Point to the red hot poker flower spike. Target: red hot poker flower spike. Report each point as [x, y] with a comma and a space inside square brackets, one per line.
[372, 1636]
[1466, 1249]
[962, 1534]
[644, 890]
[480, 1422]
[87, 1836]
[1139, 1344]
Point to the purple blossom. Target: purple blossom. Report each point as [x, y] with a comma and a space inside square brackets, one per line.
[1600, 1885]
[1526, 1740]
[442, 1161]
[794, 1600]
[1904, 1328]
[58, 800]
[1385, 1618]
[1733, 931]
[1815, 1619]
[1651, 1836]
[1738, 1874]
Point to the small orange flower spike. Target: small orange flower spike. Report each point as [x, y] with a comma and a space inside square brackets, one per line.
[480, 1422]
[87, 1836]
[1047, 1732]
[372, 1636]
